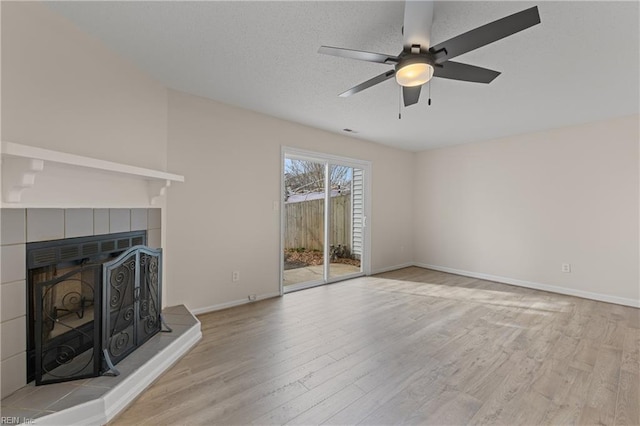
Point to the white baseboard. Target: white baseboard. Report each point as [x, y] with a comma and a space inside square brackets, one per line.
[536, 286]
[233, 303]
[392, 268]
[505, 280]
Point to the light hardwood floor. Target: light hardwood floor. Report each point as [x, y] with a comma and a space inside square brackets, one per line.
[409, 346]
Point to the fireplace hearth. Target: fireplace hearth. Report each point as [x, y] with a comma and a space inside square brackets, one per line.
[91, 302]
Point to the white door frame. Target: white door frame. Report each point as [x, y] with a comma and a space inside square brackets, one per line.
[329, 159]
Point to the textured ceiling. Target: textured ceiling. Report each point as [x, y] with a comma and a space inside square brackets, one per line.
[581, 64]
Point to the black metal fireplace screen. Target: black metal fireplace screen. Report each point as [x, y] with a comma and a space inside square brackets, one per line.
[92, 301]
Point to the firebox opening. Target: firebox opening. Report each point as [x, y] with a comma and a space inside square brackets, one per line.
[67, 311]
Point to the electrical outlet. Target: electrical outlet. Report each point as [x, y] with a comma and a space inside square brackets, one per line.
[566, 267]
[252, 297]
[235, 276]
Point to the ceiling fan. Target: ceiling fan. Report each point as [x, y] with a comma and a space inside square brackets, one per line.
[419, 61]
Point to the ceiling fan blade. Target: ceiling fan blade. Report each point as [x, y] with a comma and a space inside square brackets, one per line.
[358, 54]
[487, 34]
[410, 95]
[465, 72]
[372, 82]
[418, 16]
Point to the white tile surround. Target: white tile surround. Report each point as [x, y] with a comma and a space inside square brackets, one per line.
[20, 226]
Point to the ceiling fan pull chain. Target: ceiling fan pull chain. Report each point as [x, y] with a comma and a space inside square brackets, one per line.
[429, 101]
[399, 102]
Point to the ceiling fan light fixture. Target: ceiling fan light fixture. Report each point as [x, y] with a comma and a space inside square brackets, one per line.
[414, 74]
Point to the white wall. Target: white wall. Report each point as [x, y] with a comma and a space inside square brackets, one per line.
[519, 207]
[66, 91]
[222, 219]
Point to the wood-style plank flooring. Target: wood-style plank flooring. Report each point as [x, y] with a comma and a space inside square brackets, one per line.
[410, 346]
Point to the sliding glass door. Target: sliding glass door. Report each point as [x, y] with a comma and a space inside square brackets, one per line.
[323, 219]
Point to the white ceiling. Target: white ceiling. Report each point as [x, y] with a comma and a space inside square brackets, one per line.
[581, 64]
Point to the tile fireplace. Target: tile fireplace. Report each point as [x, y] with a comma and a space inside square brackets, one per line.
[106, 198]
[38, 227]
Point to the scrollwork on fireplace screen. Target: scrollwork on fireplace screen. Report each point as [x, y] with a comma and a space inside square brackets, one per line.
[149, 292]
[68, 346]
[132, 288]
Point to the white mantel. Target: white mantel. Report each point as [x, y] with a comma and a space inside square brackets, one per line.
[37, 177]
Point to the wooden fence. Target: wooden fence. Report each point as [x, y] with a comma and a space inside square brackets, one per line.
[304, 224]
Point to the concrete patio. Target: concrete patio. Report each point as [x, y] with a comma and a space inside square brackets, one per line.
[315, 273]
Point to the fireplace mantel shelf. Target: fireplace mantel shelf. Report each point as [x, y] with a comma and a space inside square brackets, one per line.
[22, 163]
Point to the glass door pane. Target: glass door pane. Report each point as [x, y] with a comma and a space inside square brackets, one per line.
[304, 222]
[345, 221]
